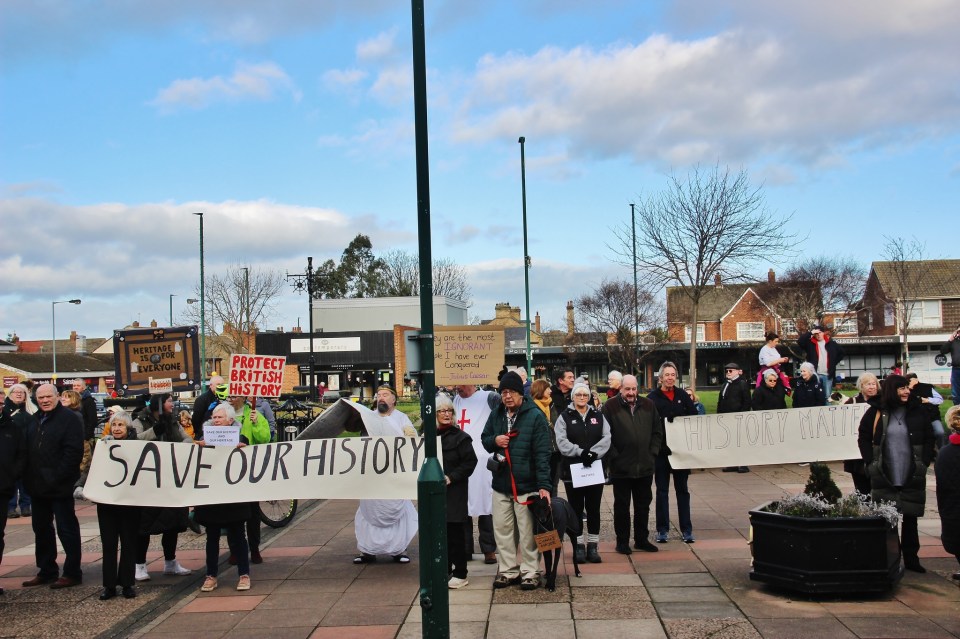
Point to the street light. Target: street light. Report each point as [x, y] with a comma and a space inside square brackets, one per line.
[53, 317]
[203, 317]
[172, 295]
[636, 294]
[526, 255]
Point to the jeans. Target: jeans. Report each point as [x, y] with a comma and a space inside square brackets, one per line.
[236, 541]
[640, 491]
[827, 383]
[21, 495]
[662, 478]
[955, 384]
[45, 512]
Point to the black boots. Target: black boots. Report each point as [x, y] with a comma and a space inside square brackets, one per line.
[592, 555]
[581, 554]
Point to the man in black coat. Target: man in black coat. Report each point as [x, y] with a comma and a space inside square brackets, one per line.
[13, 454]
[88, 409]
[734, 398]
[54, 452]
[201, 405]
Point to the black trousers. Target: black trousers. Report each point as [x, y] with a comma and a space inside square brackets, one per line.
[861, 482]
[485, 526]
[456, 552]
[253, 527]
[168, 541]
[641, 492]
[556, 466]
[3, 525]
[45, 512]
[119, 524]
[586, 497]
[909, 538]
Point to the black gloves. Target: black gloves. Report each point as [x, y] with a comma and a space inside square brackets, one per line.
[588, 457]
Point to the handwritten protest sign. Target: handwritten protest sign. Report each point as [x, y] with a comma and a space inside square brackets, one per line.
[158, 386]
[177, 474]
[467, 354]
[221, 435]
[158, 353]
[796, 435]
[256, 375]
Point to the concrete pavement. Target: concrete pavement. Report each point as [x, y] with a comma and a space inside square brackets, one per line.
[309, 587]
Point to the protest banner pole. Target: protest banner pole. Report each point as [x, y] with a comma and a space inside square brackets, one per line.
[431, 488]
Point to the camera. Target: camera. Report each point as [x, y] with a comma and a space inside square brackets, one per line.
[495, 462]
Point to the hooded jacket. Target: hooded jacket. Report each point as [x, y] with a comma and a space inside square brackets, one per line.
[529, 449]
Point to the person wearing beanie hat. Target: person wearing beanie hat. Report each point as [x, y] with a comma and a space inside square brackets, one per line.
[518, 434]
[583, 436]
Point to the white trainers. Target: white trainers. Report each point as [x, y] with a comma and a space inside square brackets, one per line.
[456, 582]
[141, 573]
[174, 568]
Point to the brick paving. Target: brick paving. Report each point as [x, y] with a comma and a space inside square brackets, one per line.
[309, 587]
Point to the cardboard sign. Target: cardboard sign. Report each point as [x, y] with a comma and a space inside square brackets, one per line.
[256, 375]
[788, 436]
[160, 353]
[587, 476]
[549, 540]
[467, 354]
[221, 435]
[158, 386]
[10, 380]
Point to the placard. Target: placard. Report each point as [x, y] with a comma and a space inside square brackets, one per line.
[549, 540]
[256, 375]
[788, 436]
[159, 386]
[587, 475]
[160, 353]
[467, 354]
[221, 435]
[10, 380]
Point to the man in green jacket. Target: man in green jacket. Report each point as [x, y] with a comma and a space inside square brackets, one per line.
[518, 433]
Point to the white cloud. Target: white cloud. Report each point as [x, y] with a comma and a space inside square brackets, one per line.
[340, 79]
[379, 47]
[249, 81]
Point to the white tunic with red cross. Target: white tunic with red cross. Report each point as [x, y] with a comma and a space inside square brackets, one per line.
[471, 416]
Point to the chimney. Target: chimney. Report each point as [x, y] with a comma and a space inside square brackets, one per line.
[536, 322]
[73, 336]
[570, 325]
[771, 277]
[716, 281]
[153, 323]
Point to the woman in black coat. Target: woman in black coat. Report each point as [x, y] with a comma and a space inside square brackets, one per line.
[869, 387]
[459, 462]
[947, 471]
[808, 391]
[770, 395]
[896, 443]
[119, 524]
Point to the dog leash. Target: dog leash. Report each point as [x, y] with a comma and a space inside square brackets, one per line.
[513, 481]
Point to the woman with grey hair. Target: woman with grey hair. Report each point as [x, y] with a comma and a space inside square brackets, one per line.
[459, 462]
[808, 391]
[869, 387]
[18, 406]
[119, 525]
[770, 395]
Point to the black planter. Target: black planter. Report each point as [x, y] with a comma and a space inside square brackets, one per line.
[825, 555]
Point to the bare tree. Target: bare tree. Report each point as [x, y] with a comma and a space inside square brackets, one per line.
[610, 310]
[711, 223]
[402, 276]
[238, 299]
[818, 284]
[905, 275]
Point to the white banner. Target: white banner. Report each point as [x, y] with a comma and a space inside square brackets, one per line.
[138, 473]
[793, 435]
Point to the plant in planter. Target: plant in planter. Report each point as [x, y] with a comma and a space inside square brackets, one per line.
[820, 542]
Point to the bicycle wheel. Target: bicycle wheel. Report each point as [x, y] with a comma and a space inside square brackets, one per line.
[277, 513]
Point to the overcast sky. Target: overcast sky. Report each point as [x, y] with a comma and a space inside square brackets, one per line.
[289, 124]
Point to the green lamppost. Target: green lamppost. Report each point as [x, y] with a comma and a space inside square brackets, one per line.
[526, 254]
[203, 316]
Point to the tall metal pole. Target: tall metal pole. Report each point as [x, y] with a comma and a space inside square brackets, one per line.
[172, 295]
[203, 316]
[636, 294]
[431, 487]
[526, 254]
[246, 304]
[313, 364]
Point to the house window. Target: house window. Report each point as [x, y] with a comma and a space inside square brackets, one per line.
[750, 331]
[701, 332]
[788, 327]
[869, 320]
[845, 325]
[888, 315]
[924, 314]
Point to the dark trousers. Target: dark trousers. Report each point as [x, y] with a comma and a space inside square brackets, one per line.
[861, 482]
[456, 552]
[909, 538]
[168, 541]
[662, 478]
[587, 497]
[556, 465]
[955, 384]
[485, 527]
[45, 512]
[119, 524]
[3, 525]
[236, 541]
[640, 490]
[19, 495]
[253, 527]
